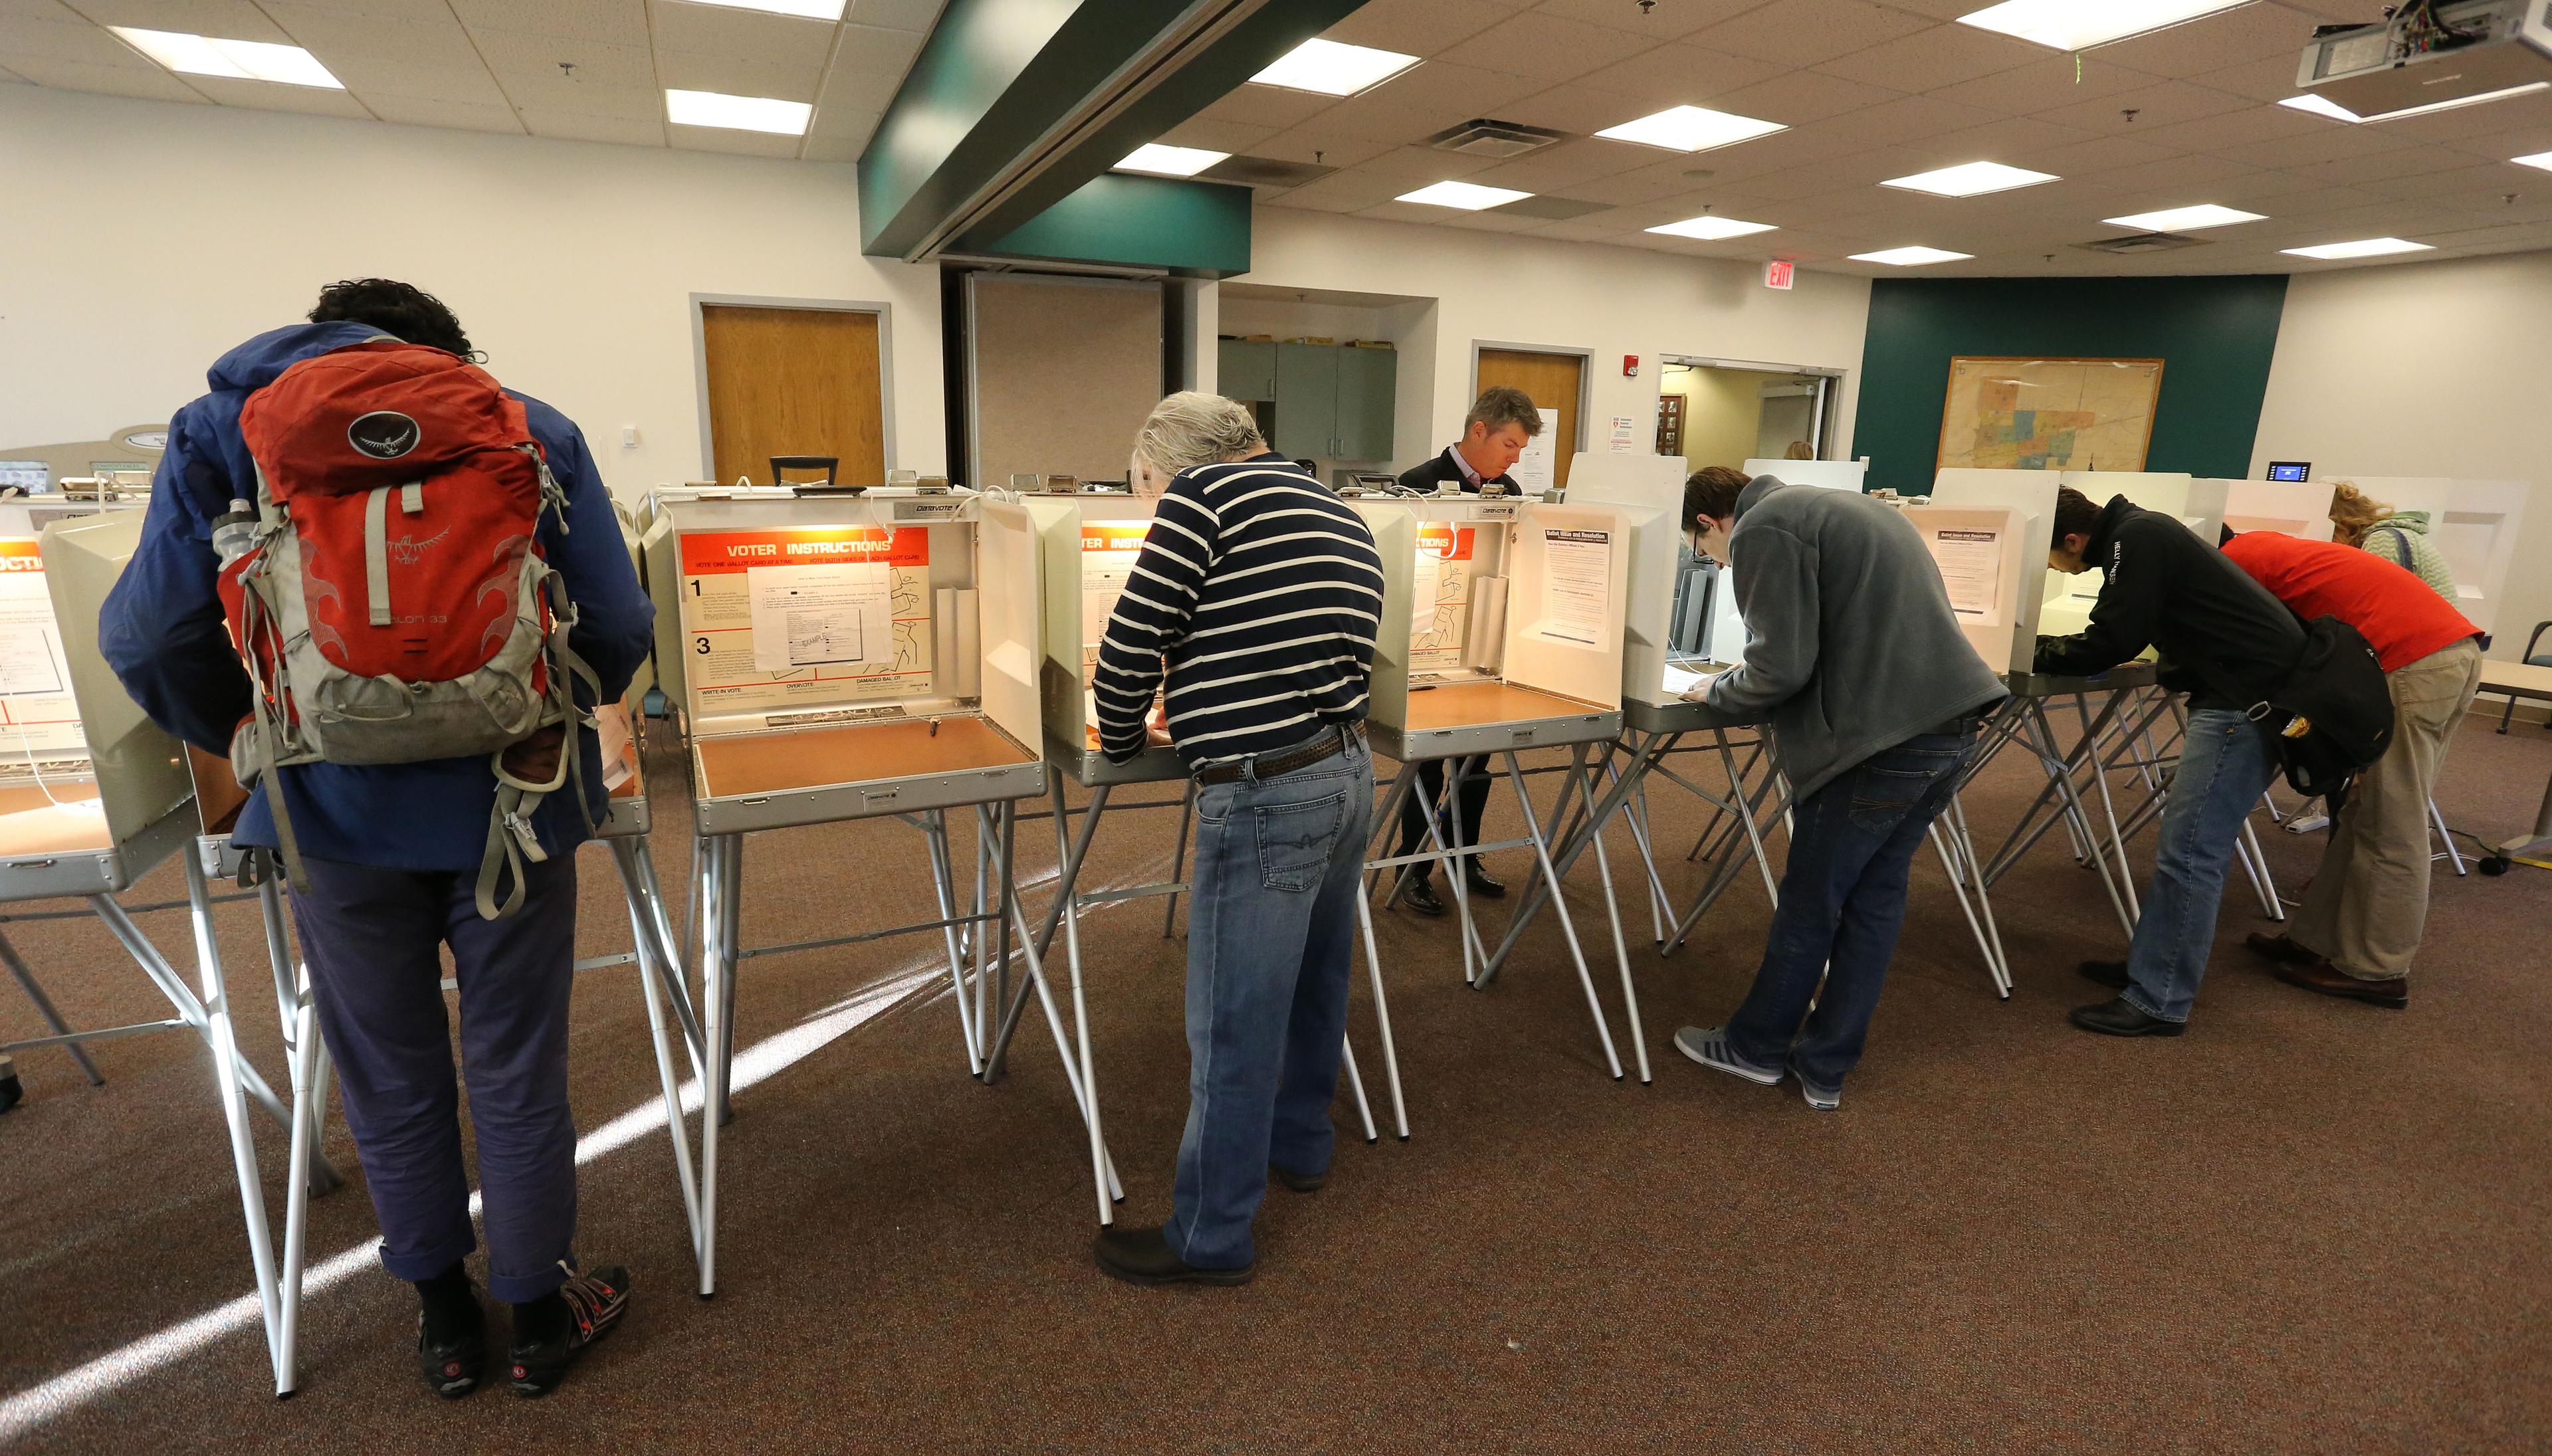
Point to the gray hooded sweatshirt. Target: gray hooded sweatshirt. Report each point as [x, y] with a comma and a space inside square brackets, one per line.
[1850, 643]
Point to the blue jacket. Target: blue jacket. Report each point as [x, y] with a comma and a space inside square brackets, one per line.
[162, 632]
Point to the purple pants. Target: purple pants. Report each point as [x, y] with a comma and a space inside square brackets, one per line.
[371, 938]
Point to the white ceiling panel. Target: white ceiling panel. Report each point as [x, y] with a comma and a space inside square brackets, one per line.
[1801, 97]
[1678, 76]
[1556, 169]
[917, 15]
[1551, 47]
[75, 40]
[1903, 118]
[457, 115]
[1671, 20]
[749, 35]
[2248, 32]
[833, 149]
[378, 78]
[734, 143]
[536, 92]
[1267, 106]
[1426, 99]
[268, 96]
[2163, 104]
[336, 36]
[511, 54]
[1802, 33]
[1420, 27]
[2046, 83]
[580, 126]
[1929, 60]
[620, 21]
[147, 82]
[231, 19]
[735, 75]
[53, 10]
[877, 54]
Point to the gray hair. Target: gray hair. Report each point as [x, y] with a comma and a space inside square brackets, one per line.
[1191, 427]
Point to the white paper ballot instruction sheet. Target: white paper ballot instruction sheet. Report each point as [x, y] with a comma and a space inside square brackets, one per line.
[37, 714]
[1576, 585]
[1972, 567]
[834, 614]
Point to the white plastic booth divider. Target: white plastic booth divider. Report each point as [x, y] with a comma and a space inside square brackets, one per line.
[1828, 474]
[2474, 525]
[1502, 630]
[2298, 509]
[864, 656]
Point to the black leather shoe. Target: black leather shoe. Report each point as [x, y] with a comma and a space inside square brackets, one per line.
[1420, 896]
[2117, 1019]
[1481, 883]
[2112, 973]
[11, 1089]
[1141, 1256]
[1301, 1183]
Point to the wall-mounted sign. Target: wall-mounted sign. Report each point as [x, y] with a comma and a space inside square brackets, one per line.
[1778, 272]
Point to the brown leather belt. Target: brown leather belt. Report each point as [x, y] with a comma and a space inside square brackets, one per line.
[1285, 760]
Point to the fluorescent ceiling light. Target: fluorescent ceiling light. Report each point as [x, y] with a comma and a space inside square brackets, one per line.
[2320, 105]
[811, 9]
[238, 61]
[2077, 25]
[2183, 219]
[1710, 229]
[1334, 69]
[1906, 258]
[1691, 129]
[2361, 248]
[1969, 180]
[2542, 159]
[739, 113]
[1169, 161]
[1469, 196]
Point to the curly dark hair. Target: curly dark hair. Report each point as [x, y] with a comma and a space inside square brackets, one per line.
[402, 310]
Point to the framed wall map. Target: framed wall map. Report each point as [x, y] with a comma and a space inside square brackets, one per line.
[2049, 414]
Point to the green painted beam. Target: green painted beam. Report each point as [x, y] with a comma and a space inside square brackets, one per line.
[997, 75]
[1194, 229]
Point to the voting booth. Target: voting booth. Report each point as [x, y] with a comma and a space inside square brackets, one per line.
[854, 654]
[1993, 558]
[2474, 524]
[1502, 630]
[1829, 474]
[2298, 508]
[1726, 643]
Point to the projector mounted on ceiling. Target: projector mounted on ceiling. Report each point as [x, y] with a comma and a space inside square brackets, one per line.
[2431, 55]
[1484, 137]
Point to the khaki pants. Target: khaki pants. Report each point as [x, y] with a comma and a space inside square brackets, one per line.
[2369, 901]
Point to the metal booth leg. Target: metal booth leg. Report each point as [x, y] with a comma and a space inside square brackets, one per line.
[45, 1008]
[1559, 902]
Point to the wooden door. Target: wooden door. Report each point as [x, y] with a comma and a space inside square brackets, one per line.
[794, 382]
[1554, 381]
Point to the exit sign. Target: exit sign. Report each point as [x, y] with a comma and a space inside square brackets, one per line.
[1778, 274]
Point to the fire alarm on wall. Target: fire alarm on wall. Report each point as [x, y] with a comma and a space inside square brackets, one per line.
[1630, 366]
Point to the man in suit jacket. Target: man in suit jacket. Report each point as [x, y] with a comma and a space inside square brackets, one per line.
[1503, 420]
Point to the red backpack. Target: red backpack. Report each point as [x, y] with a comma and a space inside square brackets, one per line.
[388, 592]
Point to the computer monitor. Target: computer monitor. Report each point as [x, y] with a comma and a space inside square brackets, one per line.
[30, 475]
[2290, 470]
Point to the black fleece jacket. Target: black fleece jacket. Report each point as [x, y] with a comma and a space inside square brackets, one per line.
[2169, 591]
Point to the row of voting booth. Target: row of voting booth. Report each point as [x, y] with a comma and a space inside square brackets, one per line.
[919, 653]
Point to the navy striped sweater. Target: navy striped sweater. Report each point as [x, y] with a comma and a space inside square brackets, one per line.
[1258, 590]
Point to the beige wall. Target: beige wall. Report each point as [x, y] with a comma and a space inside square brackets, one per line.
[2435, 368]
[1500, 288]
[150, 237]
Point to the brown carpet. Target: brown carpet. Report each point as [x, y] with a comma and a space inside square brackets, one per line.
[2307, 1225]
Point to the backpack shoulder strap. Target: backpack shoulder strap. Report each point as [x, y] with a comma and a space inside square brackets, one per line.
[2400, 545]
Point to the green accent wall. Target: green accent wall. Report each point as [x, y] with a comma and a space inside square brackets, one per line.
[2214, 336]
[1194, 229]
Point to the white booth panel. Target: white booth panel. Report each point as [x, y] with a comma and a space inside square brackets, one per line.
[2474, 524]
[1825, 474]
[2200, 504]
[1648, 490]
[2298, 509]
[1007, 618]
[142, 775]
[1990, 564]
[1570, 582]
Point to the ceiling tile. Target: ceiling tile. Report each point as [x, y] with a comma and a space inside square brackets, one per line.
[1904, 118]
[844, 124]
[2332, 143]
[268, 96]
[881, 56]
[52, 10]
[72, 40]
[1425, 100]
[2176, 174]
[2469, 180]
[2038, 86]
[833, 149]
[1410, 167]
[548, 94]
[2257, 123]
[1802, 33]
[896, 15]
[1564, 166]
[2248, 33]
[147, 82]
[1267, 106]
[717, 30]
[1671, 20]
[1318, 148]
[1678, 76]
[374, 79]
[231, 19]
[2401, 161]
[511, 54]
[797, 80]
[2270, 79]
[1929, 60]
[2017, 142]
[1577, 230]
[1801, 97]
[338, 35]
[2520, 114]
[459, 114]
[1535, 44]
[620, 21]
[1216, 136]
[2166, 103]
[580, 126]
[2106, 155]
[1345, 191]
[1420, 27]
[733, 143]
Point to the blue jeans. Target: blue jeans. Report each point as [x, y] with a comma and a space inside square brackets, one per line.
[2225, 765]
[1271, 933]
[1842, 900]
[372, 940]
